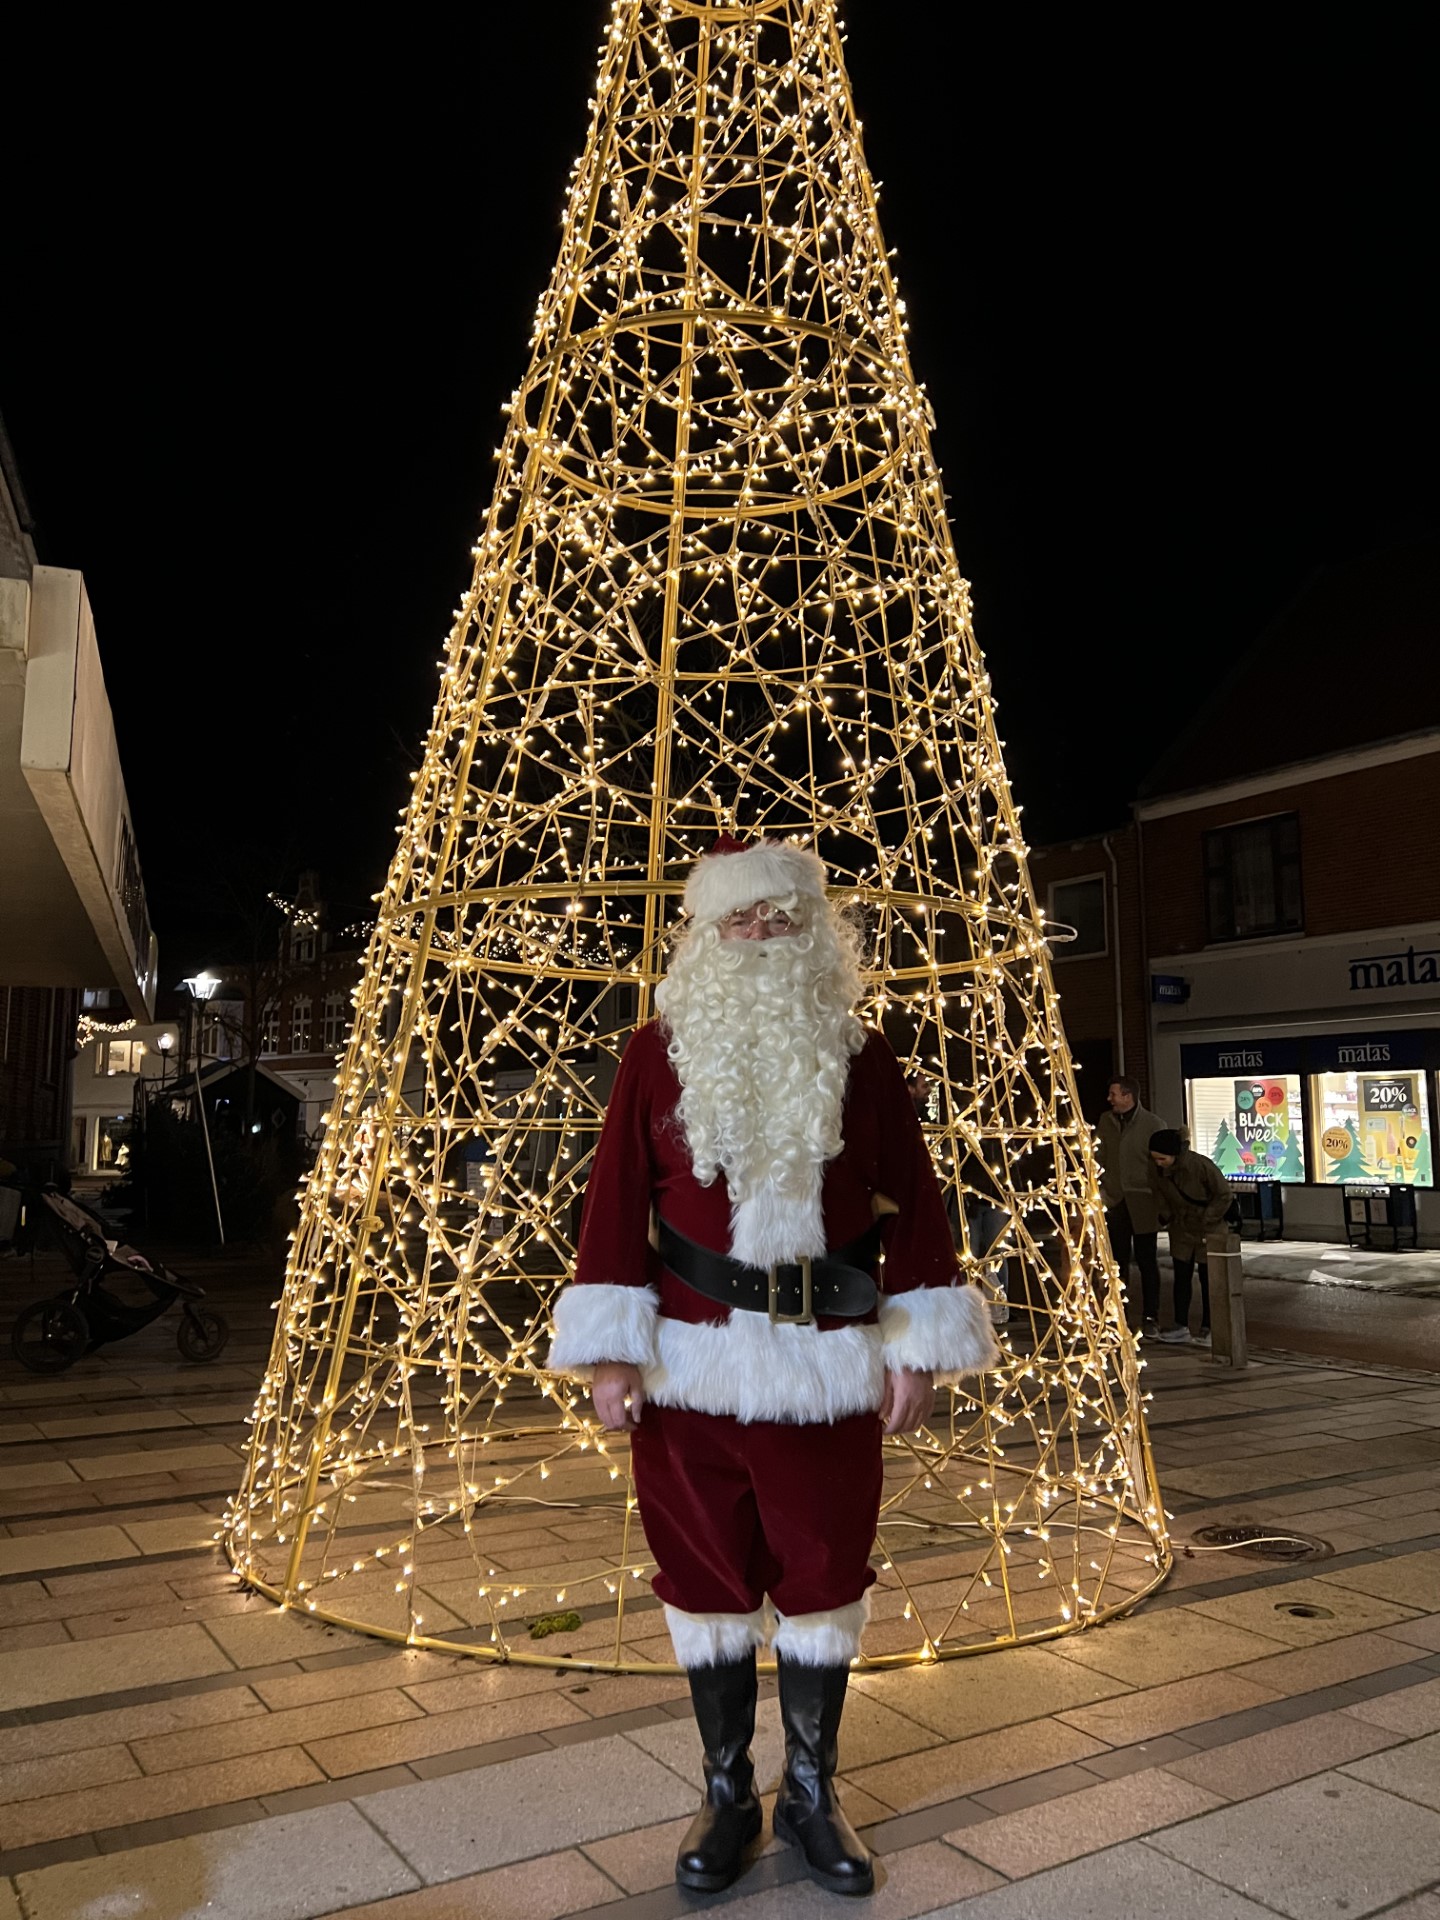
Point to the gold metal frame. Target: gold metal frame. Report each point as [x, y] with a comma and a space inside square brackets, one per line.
[716, 589]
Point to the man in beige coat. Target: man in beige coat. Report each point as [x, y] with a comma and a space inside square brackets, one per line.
[1131, 1216]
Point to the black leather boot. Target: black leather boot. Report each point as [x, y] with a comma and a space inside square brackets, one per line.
[807, 1814]
[712, 1853]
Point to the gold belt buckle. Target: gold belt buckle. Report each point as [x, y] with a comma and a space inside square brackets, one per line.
[806, 1316]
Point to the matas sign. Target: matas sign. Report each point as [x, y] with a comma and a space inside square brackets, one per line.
[1415, 967]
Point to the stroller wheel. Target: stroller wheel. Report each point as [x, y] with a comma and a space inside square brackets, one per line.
[49, 1335]
[202, 1333]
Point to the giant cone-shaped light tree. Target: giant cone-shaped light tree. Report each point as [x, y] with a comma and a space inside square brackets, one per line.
[716, 590]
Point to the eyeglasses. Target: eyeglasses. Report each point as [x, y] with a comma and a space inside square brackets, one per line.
[762, 913]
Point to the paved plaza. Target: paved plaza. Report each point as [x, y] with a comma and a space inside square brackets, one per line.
[1255, 1740]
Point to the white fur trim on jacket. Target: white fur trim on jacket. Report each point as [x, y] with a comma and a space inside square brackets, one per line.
[715, 1639]
[595, 1323]
[829, 1639]
[722, 883]
[941, 1330]
[771, 1226]
[756, 1371]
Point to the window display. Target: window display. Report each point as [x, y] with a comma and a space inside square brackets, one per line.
[1372, 1127]
[1251, 1127]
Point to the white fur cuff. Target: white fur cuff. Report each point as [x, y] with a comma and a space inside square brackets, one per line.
[941, 1330]
[829, 1639]
[595, 1323]
[715, 1639]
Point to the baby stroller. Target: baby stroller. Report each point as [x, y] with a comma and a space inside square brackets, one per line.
[50, 1335]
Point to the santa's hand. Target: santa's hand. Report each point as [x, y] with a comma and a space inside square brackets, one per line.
[907, 1400]
[619, 1395]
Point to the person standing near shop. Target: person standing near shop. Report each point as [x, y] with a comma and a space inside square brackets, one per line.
[1193, 1198]
[1131, 1215]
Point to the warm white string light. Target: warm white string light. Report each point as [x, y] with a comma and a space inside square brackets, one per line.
[716, 590]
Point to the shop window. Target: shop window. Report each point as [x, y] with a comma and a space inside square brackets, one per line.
[1252, 1128]
[1252, 879]
[1372, 1127]
[300, 1023]
[1080, 904]
[333, 1030]
[112, 1143]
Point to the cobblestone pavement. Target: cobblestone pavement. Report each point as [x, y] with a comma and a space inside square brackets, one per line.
[1256, 1740]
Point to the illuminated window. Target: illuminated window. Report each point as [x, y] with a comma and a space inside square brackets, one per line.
[270, 1027]
[300, 1023]
[1372, 1128]
[333, 1031]
[1250, 1126]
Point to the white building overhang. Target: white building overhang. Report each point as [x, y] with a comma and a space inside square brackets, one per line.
[72, 906]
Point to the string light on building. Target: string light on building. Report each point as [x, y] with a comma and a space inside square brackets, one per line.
[716, 590]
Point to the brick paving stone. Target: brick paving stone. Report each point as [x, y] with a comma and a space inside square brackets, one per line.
[151, 1796]
[1330, 1664]
[411, 1739]
[535, 1890]
[959, 1698]
[1422, 1632]
[149, 1461]
[969, 1766]
[1326, 1846]
[77, 1731]
[1153, 1711]
[288, 1869]
[76, 1547]
[1279, 1755]
[907, 1883]
[1119, 1884]
[1411, 1710]
[1266, 1610]
[197, 1746]
[541, 1804]
[1412, 1579]
[139, 1419]
[85, 1668]
[1412, 1770]
[1030, 1840]
[644, 1858]
[1148, 1649]
[64, 1772]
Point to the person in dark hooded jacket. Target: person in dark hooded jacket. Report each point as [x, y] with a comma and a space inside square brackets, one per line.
[1192, 1197]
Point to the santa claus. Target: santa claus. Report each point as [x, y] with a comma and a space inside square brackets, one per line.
[766, 1283]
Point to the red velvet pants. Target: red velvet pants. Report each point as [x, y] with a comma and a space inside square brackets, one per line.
[733, 1512]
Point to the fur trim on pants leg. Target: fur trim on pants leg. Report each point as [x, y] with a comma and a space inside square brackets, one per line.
[715, 1639]
[830, 1639]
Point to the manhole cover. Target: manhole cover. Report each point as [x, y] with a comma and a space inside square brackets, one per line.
[1266, 1543]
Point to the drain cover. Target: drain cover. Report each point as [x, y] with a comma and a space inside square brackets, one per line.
[1302, 1611]
[1266, 1543]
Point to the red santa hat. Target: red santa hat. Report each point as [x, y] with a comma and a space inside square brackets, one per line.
[733, 876]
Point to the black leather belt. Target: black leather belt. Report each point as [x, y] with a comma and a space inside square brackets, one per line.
[838, 1284]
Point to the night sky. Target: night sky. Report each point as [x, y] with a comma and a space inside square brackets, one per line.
[1168, 277]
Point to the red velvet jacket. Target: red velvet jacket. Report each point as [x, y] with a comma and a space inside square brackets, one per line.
[643, 1161]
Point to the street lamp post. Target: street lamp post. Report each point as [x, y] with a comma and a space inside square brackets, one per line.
[202, 986]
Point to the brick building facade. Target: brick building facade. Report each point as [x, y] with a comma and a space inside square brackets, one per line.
[1278, 906]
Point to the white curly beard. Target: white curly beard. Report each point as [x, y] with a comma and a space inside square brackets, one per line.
[761, 1036]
